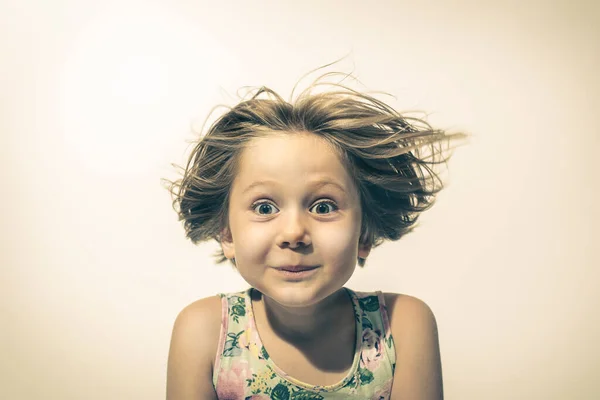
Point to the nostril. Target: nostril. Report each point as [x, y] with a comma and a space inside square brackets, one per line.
[294, 244]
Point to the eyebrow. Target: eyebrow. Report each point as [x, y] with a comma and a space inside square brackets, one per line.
[316, 184]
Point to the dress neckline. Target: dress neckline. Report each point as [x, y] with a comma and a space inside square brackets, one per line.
[352, 373]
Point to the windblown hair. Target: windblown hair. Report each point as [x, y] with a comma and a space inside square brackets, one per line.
[390, 156]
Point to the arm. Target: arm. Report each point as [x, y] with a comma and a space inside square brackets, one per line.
[193, 349]
[418, 374]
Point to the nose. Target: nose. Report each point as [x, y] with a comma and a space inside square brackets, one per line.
[294, 232]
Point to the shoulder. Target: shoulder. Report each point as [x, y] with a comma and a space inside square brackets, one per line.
[408, 313]
[197, 314]
[418, 373]
[194, 343]
[198, 326]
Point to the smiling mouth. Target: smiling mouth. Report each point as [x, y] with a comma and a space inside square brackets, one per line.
[297, 273]
[296, 268]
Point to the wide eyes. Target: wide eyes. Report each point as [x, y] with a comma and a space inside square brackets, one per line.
[265, 208]
[322, 207]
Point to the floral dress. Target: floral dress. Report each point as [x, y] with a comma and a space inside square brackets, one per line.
[243, 369]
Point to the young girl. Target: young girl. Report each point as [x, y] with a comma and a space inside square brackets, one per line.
[296, 194]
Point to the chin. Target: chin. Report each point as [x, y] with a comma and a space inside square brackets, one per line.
[295, 295]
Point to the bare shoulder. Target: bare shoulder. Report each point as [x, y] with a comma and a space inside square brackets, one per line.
[418, 373]
[203, 315]
[408, 313]
[193, 348]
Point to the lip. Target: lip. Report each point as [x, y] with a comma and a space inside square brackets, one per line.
[296, 268]
[296, 272]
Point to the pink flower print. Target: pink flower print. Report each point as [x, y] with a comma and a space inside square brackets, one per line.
[383, 393]
[232, 382]
[261, 396]
[372, 349]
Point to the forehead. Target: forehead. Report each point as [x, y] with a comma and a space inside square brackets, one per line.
[291, 158]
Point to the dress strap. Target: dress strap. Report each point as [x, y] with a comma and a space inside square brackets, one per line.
[222, 337]
[387, 328]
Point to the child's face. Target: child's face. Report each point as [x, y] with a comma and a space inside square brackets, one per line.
[293, 203]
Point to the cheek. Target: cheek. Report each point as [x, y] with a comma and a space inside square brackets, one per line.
[252, 241]
[340, 241]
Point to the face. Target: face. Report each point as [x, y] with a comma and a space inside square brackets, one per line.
[293, 206]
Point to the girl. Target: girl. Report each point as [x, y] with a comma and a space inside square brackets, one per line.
[296, 194]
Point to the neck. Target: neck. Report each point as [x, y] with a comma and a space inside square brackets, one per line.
[306, 323]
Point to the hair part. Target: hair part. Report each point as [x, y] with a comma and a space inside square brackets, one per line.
[392, 158]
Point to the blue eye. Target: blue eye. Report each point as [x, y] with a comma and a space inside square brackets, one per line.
[264, 208]
[324, 207]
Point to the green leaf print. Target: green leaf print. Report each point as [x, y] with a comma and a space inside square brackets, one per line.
[235, 337]
[231, 348]
[352, 382]
[366, 376]
[238, 309]
[264, 354]
[304, 395]
[388, 341]
[370, 303]
[366, 323]
[280, 392]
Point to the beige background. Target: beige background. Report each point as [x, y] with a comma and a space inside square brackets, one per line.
[96, 101]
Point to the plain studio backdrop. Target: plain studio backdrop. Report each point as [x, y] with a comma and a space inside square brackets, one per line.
[97, 99]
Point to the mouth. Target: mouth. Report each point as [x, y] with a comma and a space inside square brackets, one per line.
[297, 268]
[297, 273]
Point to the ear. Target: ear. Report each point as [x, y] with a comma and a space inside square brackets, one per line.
[226, 241]
[364, 250]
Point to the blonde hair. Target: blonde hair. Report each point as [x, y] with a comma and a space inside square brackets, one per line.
[391, 157]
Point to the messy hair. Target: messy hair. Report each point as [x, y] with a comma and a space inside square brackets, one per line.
[391, 157]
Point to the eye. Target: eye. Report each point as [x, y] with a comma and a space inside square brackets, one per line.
[324, 207]
[264, 208]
